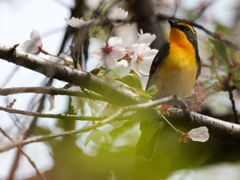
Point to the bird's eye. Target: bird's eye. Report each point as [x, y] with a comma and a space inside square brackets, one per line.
[187, 28]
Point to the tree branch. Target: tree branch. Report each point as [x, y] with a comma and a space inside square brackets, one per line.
[234, 110]
[217, 128]
[46, 137]
[52, 91]
[114, 94]
[160, 17]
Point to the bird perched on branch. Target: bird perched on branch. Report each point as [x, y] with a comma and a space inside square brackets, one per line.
[174, 70]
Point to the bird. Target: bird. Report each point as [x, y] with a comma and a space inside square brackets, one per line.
[174, 70]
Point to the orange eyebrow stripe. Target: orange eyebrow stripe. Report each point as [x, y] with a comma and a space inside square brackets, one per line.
[184, 24]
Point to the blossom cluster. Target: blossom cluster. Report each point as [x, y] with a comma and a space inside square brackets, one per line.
[139, 55]
[115, 49]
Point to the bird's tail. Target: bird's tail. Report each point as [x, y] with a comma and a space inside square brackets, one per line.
[148, 139]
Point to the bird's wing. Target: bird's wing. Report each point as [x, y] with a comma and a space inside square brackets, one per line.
[158, 61]
[199, 64]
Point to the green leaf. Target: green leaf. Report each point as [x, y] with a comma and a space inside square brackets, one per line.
[221, 28]
[131, 80]
[117, 124]
[231, 53]
[145, 96]
[236, 76]
[237, 58]
[39, 130]
[219, 50]
[152, 90]
[237, 69]
[141, 92]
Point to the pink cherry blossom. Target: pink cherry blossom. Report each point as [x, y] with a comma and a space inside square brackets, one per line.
[127, 42]
[110, 52]
[142, 58]
[34, 45]
[197, 97]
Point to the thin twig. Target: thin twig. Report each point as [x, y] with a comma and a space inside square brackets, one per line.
[27, 132]
[11, 104]
[51, 91]
[203, 8]
[161, 17]
[235, 113]
[23, 152]
[59, 116]
[46, 137]
[159, 101]
[176, 5]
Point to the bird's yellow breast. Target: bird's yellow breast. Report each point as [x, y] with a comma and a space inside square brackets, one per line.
[178, 71]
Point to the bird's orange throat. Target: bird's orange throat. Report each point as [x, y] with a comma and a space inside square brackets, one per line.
[178, 37]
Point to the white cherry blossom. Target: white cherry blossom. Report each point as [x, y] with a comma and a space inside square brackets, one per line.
[77, 23]
[34, 45]
[199, 134]
[146, 38]
[142, 58]
[117, 15]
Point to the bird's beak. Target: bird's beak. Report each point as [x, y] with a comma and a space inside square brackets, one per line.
[172, 24]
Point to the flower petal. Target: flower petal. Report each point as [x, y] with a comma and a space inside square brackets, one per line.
[77, 23]
[96, 54]
[114, 41]
[199, 134]
[134, 66]
[143, 56]
[34, 45]
[109, 61]
[144, 67]
[146, 38]
[36, 37]
[29, 46]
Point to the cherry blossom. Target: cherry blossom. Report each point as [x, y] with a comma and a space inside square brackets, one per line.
[117, 15]
[198, 134]
[127, 42]
[197, 97]
[77, 23]
[110, 52]
[146, 38]
[34, 45]
[142, 58]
